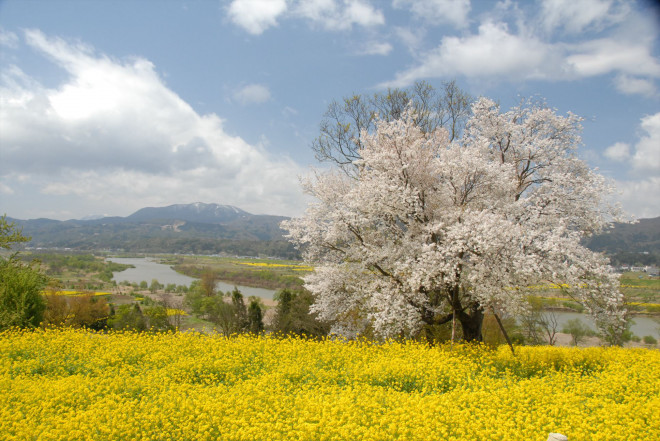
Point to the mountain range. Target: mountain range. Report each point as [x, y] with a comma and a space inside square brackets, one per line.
[183, 228]
[634, 244]
[224, 229]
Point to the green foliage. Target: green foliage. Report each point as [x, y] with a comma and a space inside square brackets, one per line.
[578, 330]
[575, 306]
[255, 318]
[229, 316]
[244, 239]
[86, 311]
[156, 318]
[209, 281]
[618, 338]
[292, 315]
[650, 340]
[155, 286]
[10, 234]
[228, 271]
[193, 298]
[21, 302]
[242, 321]
[57, 263]
[128, 317]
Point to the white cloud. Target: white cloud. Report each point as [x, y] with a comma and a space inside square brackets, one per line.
[597, 57]
[644, 156]
[640, 197]
[8, 39]
[376, 48]
[498, 51]
[577, 16]
[252, 94]
[453, 12]
[493, 51]
[647, 149]
[619, 151]
[255, 16]
[6, 189]
[336, 16]
[632, 85]
[411, 38]
[363, 14]
[112, 131]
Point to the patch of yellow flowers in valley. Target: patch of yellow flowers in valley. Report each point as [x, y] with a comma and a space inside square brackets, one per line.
[80, 385]
[294, 267]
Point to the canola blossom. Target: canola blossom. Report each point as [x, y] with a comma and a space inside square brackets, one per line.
[295, 267]
[79, 385]
[72, 293]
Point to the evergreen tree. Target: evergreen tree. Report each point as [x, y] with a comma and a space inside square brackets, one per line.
[255, 317]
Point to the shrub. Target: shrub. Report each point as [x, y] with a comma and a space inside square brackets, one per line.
[577, 329]
[650, 340]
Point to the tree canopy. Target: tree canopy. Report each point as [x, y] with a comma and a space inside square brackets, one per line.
[429, 226]
[340, 141]
[21, 302]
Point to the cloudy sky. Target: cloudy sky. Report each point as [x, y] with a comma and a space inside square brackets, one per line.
[110, 106]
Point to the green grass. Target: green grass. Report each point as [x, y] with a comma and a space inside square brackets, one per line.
[238, 271]
[644, 289]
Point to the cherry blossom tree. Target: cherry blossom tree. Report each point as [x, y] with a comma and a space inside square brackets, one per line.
[429, 229]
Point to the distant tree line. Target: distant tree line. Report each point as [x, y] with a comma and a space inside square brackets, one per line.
[263, 278]
[58, 262]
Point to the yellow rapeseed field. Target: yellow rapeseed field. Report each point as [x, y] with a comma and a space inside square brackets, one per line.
[79, 385]
[72, 293]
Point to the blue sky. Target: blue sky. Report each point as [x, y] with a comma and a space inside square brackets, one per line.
[110, 106]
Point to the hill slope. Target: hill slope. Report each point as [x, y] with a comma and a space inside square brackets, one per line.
[633, 244]
[191, 228]
[212, 229]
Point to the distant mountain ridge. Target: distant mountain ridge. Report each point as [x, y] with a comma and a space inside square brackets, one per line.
[196, 212]
[634, 244]
[196, 228]
[201, 228]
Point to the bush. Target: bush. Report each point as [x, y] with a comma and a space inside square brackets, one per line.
[650, 340]
[292, 315]
[577, 329]
[128, 317]
[21, 302]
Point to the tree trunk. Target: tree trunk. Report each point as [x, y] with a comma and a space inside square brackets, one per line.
[471, 323]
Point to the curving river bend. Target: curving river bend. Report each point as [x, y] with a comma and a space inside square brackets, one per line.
[149, 269]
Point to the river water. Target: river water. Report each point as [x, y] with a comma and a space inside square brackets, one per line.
[641, 325]
[149, 269]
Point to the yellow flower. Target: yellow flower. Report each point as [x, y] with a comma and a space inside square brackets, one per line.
[82, 385]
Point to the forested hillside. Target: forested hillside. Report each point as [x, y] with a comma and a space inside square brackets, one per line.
[217, 229]
[633, 244]
[188, 229]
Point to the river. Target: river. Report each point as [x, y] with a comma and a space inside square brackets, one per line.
[641, 325]
[149, 269]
